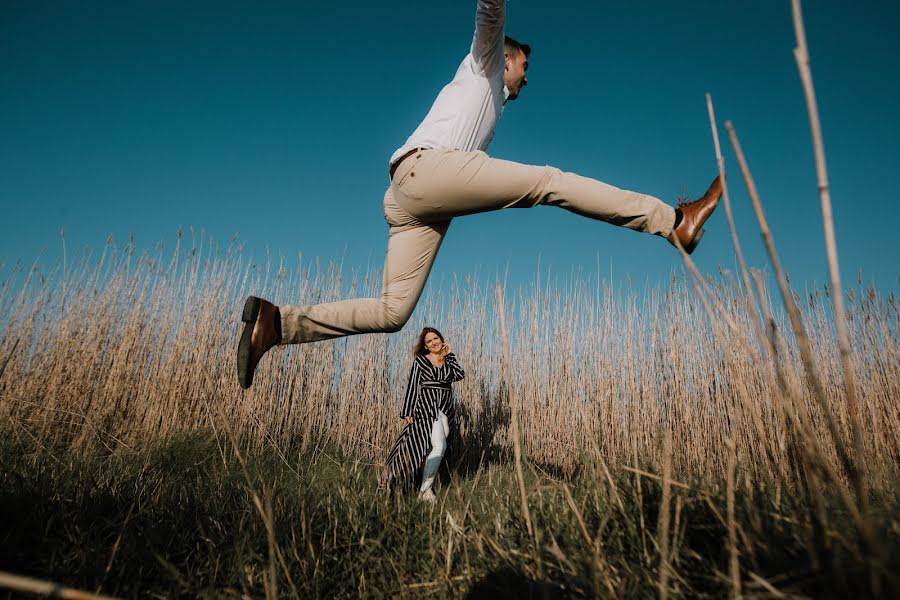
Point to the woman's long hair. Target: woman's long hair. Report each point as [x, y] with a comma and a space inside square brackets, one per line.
[419, 349]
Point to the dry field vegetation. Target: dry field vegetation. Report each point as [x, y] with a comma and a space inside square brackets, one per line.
[644, 464]
[692, 440]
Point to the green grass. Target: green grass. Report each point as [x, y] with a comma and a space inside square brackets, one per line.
[186, 525]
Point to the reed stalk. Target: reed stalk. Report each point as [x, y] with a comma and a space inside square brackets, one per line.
[801, 54]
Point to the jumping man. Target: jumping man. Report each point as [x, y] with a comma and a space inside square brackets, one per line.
[442, 172]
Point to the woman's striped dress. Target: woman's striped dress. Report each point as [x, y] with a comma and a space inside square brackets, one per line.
[428, 392]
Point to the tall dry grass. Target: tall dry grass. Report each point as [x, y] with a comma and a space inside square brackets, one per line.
[659, 400]
[145, 346]
[617, 391]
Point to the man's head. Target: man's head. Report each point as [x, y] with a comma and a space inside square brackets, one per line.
[516, 64]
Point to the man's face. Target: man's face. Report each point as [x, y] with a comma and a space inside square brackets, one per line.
[515, 77]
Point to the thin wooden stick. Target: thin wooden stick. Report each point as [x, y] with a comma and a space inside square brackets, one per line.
[39, 586]
[656, 477]
[726, 198]
[748, 294]
[801, 54]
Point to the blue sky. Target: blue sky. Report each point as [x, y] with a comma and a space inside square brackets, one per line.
[275, 120]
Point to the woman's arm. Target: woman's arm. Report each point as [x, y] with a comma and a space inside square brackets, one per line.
[412, 391]
[455, 368]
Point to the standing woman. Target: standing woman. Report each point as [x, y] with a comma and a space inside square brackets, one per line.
[429, 413]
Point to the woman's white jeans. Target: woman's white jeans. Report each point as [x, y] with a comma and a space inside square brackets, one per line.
[440, 429]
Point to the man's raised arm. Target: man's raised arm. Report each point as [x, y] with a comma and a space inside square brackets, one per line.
[487, 45]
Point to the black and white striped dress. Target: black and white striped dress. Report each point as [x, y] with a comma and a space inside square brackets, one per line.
[428, 392]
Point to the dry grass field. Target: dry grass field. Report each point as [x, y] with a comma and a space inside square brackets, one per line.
[715, 436]
[133, 461]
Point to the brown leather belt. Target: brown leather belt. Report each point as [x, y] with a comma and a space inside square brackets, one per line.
[397, 162]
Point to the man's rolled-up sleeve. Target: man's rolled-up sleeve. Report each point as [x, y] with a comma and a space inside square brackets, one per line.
[487, 45]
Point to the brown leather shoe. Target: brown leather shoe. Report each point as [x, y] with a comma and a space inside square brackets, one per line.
[262, 331]
[694, 215]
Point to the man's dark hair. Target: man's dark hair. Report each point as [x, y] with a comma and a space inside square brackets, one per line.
[513, 47]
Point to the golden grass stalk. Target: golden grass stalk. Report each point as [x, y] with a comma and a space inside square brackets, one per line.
[726, 198]
[801, 54]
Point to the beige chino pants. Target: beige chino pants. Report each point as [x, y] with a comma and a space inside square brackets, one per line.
[428, 190]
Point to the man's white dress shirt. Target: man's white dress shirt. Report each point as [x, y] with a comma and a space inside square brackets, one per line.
[465, 113]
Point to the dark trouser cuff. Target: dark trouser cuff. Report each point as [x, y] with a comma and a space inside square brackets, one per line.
[678, 217]
[277, 326]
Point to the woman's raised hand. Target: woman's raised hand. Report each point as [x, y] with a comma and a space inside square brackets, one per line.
[445, 350]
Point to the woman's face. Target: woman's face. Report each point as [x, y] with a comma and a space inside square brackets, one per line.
[433, 342]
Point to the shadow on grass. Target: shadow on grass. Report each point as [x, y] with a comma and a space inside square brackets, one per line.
[509, 584]
[177, 519]
[476, 449]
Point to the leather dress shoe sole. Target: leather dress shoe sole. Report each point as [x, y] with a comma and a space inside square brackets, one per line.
[245, 347]
[690, 247]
